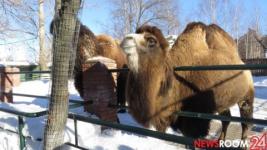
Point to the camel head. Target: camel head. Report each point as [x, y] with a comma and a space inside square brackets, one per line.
[110, 48]
[107, 44]
[148, 43]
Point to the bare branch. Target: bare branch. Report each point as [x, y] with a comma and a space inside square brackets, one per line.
[128, 15]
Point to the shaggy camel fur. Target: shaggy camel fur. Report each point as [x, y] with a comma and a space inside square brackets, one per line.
[89, 46]
[155, 91]
[111, 49]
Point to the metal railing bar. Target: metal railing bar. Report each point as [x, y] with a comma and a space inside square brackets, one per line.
[70, 100]
[211, 67]
[34, 78]
[222, 118]
[75, 131]
[179, 68]
[8, 130]
[14, 132]
[35, 114]
[24, 114]
[48, 97]
[222, 67]
[29, 72]
[29, 95]
[136, 130]
[70, 144]
[26, 80]
[21, 137]
[11, 131]
[75, 105]
[119, 70]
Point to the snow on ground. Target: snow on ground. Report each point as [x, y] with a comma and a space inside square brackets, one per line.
[90, 136]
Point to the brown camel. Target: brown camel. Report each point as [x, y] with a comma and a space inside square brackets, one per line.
[89, 46]
[155, 91]
[111, 49]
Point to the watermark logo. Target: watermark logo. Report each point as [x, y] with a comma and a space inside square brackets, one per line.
[258, 143]
[221, 143]
[206, 143]
[254, 143]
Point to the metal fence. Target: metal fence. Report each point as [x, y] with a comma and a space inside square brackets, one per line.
[168, 137]
[258, 72]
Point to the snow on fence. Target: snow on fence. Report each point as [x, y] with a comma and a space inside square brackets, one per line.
[145, 132]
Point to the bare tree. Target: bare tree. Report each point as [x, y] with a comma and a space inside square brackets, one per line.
[226, 13]
[42, 57]
[235, 22]
[208, 10]
[19, 16]
[255, 20]
[65, 24]
[128, 15]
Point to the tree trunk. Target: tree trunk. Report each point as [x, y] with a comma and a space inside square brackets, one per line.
[63, 44]
[42, 57]
[57, 7]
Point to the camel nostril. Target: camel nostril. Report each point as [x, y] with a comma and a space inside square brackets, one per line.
[129, 38]
[128, 43]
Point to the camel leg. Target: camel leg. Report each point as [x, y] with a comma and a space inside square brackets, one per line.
[225, 124]
[246, 111]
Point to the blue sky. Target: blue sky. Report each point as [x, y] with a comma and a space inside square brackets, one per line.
[97, 12]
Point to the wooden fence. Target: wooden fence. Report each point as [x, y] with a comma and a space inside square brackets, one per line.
[260, 72]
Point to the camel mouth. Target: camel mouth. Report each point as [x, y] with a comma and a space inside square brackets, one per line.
[129, 46]
[129, 50]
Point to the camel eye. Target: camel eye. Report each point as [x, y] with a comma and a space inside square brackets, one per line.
[151, 42]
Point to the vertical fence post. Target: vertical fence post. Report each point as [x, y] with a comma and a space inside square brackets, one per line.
[7, 81]
[75, 130]
[99, 86]
[21, 137]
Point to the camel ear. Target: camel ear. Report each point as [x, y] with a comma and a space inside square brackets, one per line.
[118, 42]
[164, 44]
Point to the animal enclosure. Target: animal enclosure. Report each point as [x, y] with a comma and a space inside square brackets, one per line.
[145, 132]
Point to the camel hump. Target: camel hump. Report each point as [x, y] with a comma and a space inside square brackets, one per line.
[217, 38]
[193, 38]
[84, 30]
[195, 25]
[214, 27]
[104, 37]
[156, 32]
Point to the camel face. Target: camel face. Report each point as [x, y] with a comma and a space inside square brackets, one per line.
[136, 45]
[140, 43]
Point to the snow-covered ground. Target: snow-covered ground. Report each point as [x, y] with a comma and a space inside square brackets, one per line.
[90, 136]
